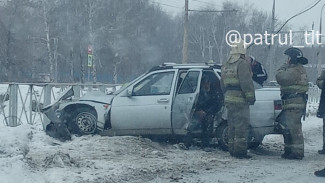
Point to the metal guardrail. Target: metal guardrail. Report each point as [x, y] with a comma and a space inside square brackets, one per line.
[314, 94]
[25, 100]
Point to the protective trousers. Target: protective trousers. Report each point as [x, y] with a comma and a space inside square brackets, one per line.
[238, 120]
[207, 127]
[323, 133]
[292, 134]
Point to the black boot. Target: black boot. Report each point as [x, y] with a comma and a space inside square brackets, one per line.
[188, 140]
[291, 156]
[320, 173]
[243, 156]
[321, 151]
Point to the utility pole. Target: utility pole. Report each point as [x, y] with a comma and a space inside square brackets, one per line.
[312, 28]
[270, 58]
[185, 38]
[319, 54]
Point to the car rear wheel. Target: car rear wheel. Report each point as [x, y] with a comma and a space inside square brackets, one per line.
[253, 141]
[222, 136]
[84, 121]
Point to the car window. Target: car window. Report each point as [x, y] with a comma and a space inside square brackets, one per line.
[181, 76]
[190, 82]
[125, 85]
[155, 84]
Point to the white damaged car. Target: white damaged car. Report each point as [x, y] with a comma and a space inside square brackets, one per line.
[160, 102]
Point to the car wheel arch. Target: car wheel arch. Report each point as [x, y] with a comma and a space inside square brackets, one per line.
[73, 107]
[222, 137]
[72, 111]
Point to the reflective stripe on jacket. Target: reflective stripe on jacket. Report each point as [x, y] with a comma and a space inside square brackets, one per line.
[293, 103]
[292, 80]
[237, 83]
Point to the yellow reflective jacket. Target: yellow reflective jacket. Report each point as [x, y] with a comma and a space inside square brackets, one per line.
[236, 81]
[293, 82]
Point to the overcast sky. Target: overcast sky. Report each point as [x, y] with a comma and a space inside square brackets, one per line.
[284, 9]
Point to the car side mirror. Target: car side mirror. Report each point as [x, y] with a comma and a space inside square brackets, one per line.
[129, 92]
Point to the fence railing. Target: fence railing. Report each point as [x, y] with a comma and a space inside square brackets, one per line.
[21, 102]
[314, 94]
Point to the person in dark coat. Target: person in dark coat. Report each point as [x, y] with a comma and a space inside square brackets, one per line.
[259, 72]
[208, 104]
[321, 107]
[321, 114]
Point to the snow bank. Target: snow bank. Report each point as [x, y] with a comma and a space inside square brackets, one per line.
[28, 155]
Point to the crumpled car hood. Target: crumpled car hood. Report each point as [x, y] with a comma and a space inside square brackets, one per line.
[97, 96]
[94, 96]
[66, 94]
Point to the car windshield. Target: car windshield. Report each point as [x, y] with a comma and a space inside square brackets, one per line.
[125, 85]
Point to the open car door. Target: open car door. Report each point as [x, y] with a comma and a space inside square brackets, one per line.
[184, 102]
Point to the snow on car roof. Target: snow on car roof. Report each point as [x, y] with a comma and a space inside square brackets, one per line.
[187, 66]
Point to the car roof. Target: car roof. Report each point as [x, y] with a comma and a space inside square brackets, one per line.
[208, 65]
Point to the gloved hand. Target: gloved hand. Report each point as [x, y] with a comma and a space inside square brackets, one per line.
[209, 117]
[200, 114]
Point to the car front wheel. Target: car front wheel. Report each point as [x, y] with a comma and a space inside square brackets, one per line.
[84, 122]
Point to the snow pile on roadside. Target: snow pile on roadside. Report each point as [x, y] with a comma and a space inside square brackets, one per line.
[28, 155]
[14, 147]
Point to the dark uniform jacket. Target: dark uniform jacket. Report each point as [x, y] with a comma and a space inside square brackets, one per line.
[321, 107]
[259, 73]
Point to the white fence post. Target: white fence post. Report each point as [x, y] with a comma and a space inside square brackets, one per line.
[13, 102]
[47, 101]
[76, 91]
[31, 104]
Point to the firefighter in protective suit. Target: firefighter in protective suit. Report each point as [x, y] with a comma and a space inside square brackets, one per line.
[237, 86]
[293, 81]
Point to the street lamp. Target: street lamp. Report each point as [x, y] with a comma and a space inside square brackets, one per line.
[319, 67]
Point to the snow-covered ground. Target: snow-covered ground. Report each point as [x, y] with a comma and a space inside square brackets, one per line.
[28, 155]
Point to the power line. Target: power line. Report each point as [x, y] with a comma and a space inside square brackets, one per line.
[301, 12]
[198, 7]
[215, 11]
[297, 15]
[310, 4]
[202, 1]
[207, 3]
[163, 4]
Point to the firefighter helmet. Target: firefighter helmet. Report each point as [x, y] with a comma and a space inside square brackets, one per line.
[296, 56]
[238, 47]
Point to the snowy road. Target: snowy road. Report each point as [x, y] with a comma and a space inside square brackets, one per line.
[28, 155]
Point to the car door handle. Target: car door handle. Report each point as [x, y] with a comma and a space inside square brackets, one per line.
[163, 100]
[189, 100]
